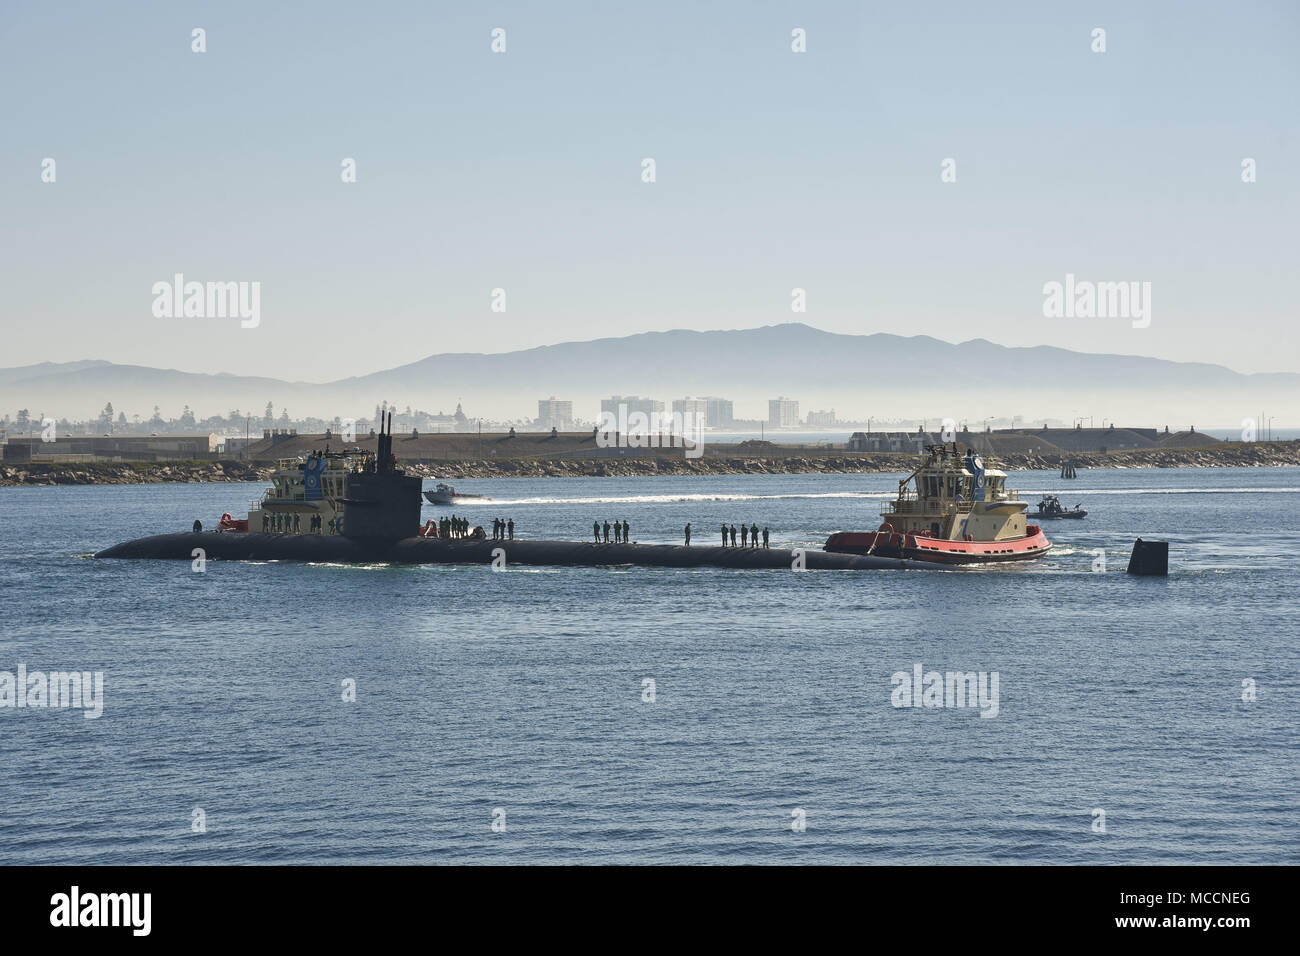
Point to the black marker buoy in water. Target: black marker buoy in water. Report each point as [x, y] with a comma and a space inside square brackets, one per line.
[1149, 558]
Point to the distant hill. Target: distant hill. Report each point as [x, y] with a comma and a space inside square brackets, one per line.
[881, 374]
[24, 373]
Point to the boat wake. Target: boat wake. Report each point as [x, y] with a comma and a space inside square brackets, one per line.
[661, 499]
[1072, 492]
[470, 503]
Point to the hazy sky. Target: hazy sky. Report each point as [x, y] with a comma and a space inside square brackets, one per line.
[522, 171]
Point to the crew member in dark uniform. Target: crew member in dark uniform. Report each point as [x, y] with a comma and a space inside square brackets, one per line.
[595, 529]
[744, 535]
[733, 535]
[765, 539]
[607, 532]
[510, 527]
[753, 536]
[688, 534]
[724, 535]
[627, 532]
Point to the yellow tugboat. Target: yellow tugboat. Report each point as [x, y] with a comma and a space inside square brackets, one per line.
[958, 512]
[305, 497]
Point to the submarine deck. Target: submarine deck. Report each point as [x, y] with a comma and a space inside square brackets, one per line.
[252, 546]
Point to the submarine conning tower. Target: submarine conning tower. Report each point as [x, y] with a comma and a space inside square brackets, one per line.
[383, 502]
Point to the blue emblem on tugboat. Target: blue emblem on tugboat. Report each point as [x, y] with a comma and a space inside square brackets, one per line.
[311, 470]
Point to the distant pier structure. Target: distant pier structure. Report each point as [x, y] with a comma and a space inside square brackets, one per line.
[1067, 469]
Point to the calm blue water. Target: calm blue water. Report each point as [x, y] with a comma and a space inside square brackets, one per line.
[522, 689]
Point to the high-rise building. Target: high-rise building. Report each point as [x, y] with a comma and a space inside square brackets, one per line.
[718, 413]
[630, 404]
[691, 410]
[782, 413]
[822, 418]
[553, 413]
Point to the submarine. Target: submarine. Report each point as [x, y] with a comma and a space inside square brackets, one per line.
[372, 512]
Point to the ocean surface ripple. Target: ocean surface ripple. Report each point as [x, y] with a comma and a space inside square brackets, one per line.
[522, 690]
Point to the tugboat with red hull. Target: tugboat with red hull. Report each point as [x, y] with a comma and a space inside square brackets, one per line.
[957, 512]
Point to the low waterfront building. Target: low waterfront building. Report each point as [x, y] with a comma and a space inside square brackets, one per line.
[1080, 440]
[73, 448]
[887, 441]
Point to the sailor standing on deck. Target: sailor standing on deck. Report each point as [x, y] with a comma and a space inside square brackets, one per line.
[724, 535]
[607, 532]
[595, 529]
[744, 535]
[627, 532]
[688, 534]
[753, 536]
[765, 539]
[510, 527]
[733, 535]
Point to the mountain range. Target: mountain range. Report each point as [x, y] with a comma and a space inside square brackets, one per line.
[881, 375]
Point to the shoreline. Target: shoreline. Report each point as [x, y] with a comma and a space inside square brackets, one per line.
[1257, 455]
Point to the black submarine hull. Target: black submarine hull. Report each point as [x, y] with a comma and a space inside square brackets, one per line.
[246, 546]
